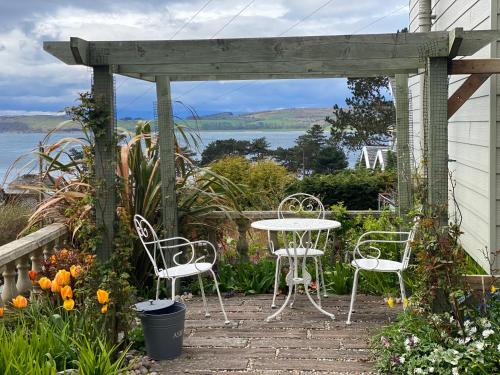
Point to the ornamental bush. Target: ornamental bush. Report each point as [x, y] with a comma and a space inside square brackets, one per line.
[357, 188]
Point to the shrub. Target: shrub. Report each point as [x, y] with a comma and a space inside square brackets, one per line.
[13, 219]
[358, 188]
[263, 183]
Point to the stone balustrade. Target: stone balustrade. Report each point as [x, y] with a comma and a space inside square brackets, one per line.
[18, 257]
[244, 218]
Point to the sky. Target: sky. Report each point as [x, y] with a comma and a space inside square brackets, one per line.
[32, 81]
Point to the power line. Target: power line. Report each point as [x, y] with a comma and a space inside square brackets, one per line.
[212, 37]
[380, 19]
[233, 18]
[190, 20]
[306, 17]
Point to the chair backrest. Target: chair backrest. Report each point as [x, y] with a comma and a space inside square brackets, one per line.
[407, 250]
[149, 240]
[301, 203]
[306, 205]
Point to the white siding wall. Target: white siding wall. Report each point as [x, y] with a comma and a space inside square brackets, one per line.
[469, 129]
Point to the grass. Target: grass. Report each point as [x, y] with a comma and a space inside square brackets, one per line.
[13, 218]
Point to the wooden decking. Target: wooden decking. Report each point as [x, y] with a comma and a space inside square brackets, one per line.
[303, 341]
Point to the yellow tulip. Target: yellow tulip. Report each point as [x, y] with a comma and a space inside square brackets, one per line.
[69, 304]
[63, 277]
[55, 287]
[20, 302]
[66, 292]
[405, 303]
[104, 309]
[45, 283]
[390, 302]
[102, 296]
[75, 270]
[493, 289]
[1, 311]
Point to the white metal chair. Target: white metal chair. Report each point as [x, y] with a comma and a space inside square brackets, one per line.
[294, 206]
[156, 248]
[362, 262]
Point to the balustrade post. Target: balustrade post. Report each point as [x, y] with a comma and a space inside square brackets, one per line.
[242, 245]
[23, 281]
[212, 235]
[9, 282]
[36, 265]
[48, 249]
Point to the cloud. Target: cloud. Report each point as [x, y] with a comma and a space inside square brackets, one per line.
[32, 80]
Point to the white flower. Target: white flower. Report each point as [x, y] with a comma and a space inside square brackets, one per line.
[472, 330]
[479, 345]
[467, 339]
[402, 359]
[488, 332]
[498, 347]
[452, 319]
[418, 370]
[431, 369]
[454, 371]
[467, 323]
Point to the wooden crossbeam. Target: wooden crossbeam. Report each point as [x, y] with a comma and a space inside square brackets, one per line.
[473, 66]
[464, 92]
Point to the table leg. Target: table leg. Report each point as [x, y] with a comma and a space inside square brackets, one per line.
[290, 283]
[307, 281]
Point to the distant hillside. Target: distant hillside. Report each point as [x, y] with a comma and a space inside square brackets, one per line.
[293, 118]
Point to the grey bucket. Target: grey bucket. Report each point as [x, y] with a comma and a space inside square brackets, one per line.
[163, 328]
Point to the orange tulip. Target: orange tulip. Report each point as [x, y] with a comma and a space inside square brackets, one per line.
[20, 302]
[63, 277]
[45, 283]
[55, 287]
[63, 253]
[53, 259]
[75, 270]
[1, 312]
[104, 309]
[102, 296]
[69, 304]
[32, 276]
[89, 259]
[66, 292]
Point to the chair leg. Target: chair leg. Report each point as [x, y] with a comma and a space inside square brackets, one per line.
[205, 306]
[294, 286]
[158, 288]
[226, 321]
[318, 281]
[353, 295]
[322, 277]
[276, 281]
[402, 286]
[173, 289]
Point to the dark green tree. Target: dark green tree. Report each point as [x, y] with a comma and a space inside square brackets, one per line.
[368, 116]
[224, 147]
[259, 149]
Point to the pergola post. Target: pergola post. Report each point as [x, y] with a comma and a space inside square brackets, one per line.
[437, 115]
[167, 155]
[105, 161]
[403, 144]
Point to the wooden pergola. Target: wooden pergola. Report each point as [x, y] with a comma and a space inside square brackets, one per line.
[395, 55]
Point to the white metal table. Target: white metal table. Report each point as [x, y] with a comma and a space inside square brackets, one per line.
[301, 229]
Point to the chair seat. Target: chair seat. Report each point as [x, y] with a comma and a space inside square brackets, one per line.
[185, 270]
[381, 265]
[300, 252]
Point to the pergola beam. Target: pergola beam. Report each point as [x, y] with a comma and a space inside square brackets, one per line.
[473, 66]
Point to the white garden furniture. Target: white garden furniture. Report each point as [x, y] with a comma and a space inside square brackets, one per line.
[157, 249]
[307, 205]
[365, 262]
[296, 250]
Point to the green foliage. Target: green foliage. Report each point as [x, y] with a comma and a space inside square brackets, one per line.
[13, 219]
[256, 149]
[367, 117]
[43, 342]
[338, 278]
[420, 344]
[358, 189]
[313, 153]
[263, 183]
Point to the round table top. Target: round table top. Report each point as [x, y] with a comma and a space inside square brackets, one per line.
[295, 224]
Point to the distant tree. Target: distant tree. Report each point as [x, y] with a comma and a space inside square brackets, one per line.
[313, 153]
[224, 147]
[368, 117]
[259, 149]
